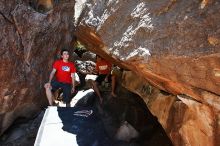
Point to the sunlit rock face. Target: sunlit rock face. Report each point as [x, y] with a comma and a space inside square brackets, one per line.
[186, 121]
[28, 41]
[175, 46]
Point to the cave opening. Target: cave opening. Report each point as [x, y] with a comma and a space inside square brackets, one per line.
[126, 117]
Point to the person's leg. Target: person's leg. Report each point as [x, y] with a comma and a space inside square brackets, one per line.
[96, 89]
[113, 78]
[95, 84]
[48, 88]
[82, 79]
[49, 93]
[67, 94]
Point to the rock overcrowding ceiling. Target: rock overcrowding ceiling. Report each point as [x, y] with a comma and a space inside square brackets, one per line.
[173, 45]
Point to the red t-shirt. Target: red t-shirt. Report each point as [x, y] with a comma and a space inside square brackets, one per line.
[63, 71]
[103, 67]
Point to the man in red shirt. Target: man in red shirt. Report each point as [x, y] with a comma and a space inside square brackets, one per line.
[64, 72]
[103, 68]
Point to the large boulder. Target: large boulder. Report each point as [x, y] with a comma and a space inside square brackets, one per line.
[185, 120]
[29, 41]
[174, 46]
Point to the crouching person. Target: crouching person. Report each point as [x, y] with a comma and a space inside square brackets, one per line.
[64, 71]
[103, 69]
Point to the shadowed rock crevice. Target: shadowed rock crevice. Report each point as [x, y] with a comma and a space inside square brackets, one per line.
[6, 18]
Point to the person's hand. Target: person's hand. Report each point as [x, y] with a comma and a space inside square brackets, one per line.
[47, 85]
[73, 90]
[106, 79]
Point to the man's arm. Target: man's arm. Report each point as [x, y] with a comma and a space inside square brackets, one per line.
[47, 85]
[110, 69]
[73, 82]
[52, 75]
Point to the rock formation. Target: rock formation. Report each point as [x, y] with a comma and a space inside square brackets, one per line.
[29, 41]
[172, 47]
[175, 47]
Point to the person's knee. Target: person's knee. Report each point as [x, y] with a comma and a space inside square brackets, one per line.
[47, 86]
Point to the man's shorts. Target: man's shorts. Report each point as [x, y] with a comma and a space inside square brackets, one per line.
[65, 87]
[102, 77]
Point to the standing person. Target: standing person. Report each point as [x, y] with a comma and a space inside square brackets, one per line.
[103, 68]
[64, 72]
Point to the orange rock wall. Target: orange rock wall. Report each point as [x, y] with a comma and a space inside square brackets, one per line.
[174, 46]
[186, 121]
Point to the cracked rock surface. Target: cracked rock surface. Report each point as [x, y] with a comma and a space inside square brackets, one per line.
[28, 41]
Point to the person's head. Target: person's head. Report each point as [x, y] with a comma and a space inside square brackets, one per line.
[64, 54]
